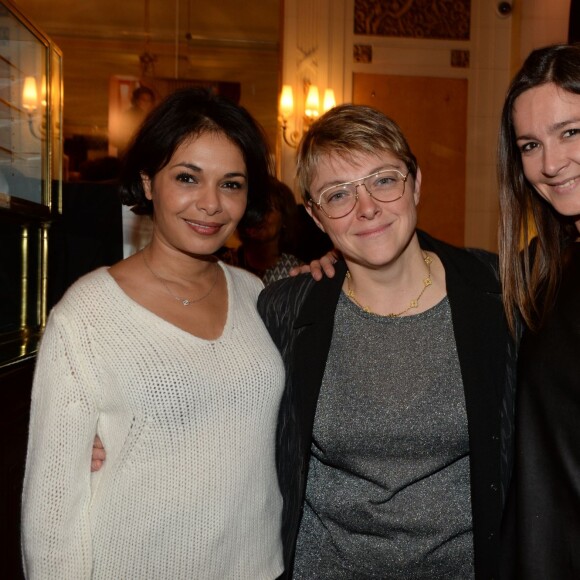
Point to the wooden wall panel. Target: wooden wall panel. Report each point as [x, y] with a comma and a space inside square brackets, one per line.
[432, 113]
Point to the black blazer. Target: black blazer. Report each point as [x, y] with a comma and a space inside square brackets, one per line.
[299, 314]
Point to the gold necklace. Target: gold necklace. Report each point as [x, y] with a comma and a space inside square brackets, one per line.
[413, 304]
[184, 301]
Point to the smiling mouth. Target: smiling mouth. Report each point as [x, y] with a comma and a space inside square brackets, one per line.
[374, 231]
[203, 228]
[564, 185]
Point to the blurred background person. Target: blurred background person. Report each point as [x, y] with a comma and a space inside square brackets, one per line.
[142, 103]
[267, 247]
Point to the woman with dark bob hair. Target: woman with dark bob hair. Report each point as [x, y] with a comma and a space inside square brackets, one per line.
[187, 114]
[165, 358]
[539, 173]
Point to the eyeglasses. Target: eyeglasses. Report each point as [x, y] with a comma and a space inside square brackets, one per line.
[385, 186]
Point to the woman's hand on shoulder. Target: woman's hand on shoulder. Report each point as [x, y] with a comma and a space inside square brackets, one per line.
[318, 268]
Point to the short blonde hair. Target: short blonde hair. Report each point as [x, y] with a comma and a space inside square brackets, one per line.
[348, 130]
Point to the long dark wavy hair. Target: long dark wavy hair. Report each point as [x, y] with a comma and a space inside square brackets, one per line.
[530, 276]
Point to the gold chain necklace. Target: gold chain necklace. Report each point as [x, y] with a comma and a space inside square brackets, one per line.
[184, 301]
[413, 304]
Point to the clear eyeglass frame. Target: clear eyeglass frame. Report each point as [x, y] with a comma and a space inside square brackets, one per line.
[363, 181]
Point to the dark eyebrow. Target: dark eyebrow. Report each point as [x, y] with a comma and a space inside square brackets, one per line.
[197, 169]
[236, 174]
[562, 124]
[552, 129]
[384, 167]
[188, 166]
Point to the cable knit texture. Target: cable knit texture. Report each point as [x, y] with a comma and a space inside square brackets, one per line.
[189, 488]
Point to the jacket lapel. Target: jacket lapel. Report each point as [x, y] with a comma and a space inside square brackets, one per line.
[315, 325]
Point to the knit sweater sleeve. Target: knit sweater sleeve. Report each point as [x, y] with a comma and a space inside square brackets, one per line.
[57, 485]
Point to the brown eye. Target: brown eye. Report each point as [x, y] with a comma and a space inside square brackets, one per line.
[527, 147]
[234, 185]
[185, 178]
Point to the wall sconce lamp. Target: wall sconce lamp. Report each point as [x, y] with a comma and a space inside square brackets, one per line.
[311, 111]
[30, 103]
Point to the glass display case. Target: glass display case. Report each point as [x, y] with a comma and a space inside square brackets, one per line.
[30, 176]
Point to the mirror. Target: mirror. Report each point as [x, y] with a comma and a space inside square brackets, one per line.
[224, 42]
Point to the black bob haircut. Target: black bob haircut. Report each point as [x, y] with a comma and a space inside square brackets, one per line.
[187, 114]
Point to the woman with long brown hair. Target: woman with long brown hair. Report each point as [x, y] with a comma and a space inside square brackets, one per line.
[539, 172]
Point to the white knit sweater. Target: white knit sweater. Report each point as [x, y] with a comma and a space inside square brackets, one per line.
[189, 488]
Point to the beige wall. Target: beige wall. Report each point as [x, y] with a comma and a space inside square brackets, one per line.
[542, 22]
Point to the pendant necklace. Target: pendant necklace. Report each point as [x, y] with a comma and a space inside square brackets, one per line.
[184, 301]
[413, 304]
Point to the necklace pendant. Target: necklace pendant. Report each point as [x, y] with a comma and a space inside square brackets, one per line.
[185, 302]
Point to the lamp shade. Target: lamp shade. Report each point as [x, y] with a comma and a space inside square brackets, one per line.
[312, 105]
[286, 102]
[43, 91]
[29, 94]
[329, 100]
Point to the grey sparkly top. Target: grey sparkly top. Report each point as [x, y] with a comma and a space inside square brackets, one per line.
[388, 487]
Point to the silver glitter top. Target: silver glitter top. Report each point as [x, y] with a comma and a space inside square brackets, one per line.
[388, 487]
